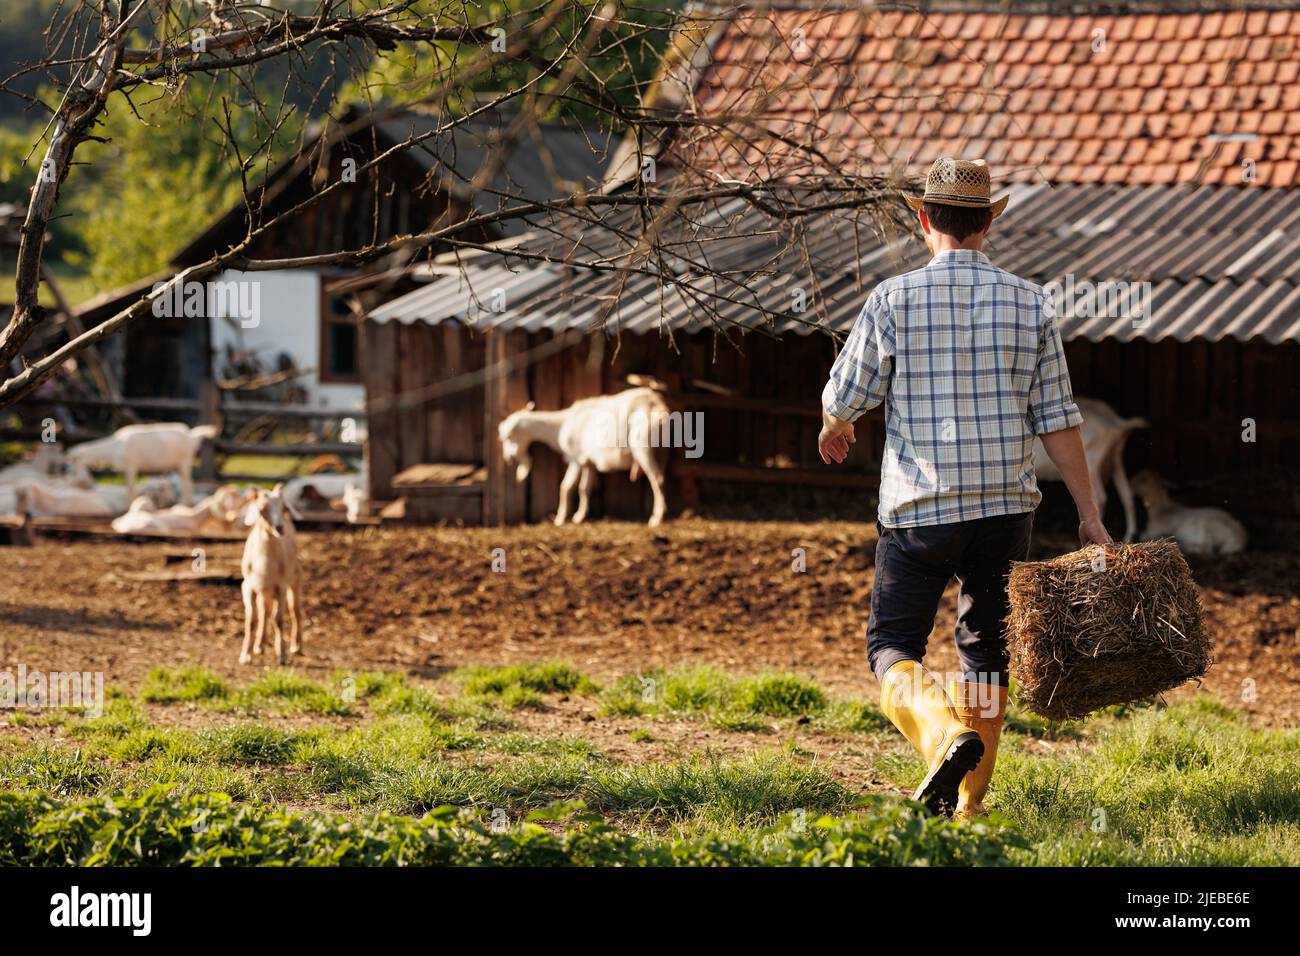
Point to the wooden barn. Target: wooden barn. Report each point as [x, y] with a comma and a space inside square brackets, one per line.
[305, 321]
[1170, 228]
[758, 398]
[443, 368]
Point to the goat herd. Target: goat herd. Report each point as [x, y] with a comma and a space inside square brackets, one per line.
[54, 484]
[581, 434]
[51, 483]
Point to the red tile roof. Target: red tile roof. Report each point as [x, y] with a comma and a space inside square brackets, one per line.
[1141, 99]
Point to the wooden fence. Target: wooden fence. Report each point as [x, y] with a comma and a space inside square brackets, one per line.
[217, 409]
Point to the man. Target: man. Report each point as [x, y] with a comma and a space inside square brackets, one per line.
[968, 362]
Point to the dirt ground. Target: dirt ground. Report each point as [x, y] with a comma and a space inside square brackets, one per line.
[610, 598]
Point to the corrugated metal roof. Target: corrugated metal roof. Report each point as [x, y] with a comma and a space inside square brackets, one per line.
[536, 165]
[1210, 262]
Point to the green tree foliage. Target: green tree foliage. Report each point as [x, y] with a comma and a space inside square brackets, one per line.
[164, 173]
[626, 43]
[166, 168]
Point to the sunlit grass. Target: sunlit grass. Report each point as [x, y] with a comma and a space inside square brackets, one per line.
[1191, 784]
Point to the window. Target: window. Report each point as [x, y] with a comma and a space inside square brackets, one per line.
[340, 359]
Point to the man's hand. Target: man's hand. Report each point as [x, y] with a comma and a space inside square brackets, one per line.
[835, 439]
[1092, 531]
[1065, 448]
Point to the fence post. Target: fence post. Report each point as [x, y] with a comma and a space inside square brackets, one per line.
[209, 414]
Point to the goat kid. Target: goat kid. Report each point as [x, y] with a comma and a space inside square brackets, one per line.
[1200, 531]
[272, 576]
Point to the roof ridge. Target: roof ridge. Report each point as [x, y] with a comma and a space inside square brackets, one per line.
[1016, 7]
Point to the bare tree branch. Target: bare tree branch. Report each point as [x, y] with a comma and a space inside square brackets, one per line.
[561, 58]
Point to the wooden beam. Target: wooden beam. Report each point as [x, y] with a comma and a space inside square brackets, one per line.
[275, 409]
[505, 389]
[228, 407]
[313, 449]
[826, 478]
[166, 404]
[762, 406]
[209, 414]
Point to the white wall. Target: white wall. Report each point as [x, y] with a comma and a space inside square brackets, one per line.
[288, 321]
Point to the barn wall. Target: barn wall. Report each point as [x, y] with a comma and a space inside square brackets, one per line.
[760, 399]
[163, 356]
[777, 383]
[425, 398]
[1196, 395]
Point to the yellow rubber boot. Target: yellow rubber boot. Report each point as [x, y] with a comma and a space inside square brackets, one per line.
[982, 708]
[918, 707]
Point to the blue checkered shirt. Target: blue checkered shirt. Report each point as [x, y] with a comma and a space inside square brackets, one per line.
[967, 359]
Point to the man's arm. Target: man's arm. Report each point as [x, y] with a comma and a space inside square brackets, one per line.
[1056, 419]
[859, 378]
[1065, 448]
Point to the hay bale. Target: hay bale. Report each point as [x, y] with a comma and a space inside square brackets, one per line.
[1104, 626]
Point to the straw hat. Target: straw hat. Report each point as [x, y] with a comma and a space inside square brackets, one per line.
[959, 182]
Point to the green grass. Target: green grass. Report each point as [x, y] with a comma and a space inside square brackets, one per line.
[268, 467]
[737, 703]
[161, 828]
[196, 684]
[1191, 784]
[548, 678]
[285, 691]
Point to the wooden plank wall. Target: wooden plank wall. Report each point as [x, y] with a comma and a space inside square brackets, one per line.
[505, 500]
[1194, 394]
[409, 423]
[402, 361]
[383, 449]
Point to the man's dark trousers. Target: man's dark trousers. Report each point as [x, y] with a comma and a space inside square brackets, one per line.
[914, 565]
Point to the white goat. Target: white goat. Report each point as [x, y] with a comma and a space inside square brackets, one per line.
[1104, 435]
[159, 492]
[1200, 531]
[272, 575]
[608, 433]
[60, 501]
[163, 446]
[219, 511]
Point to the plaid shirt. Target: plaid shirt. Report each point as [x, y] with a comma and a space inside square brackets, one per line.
[968, 361]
